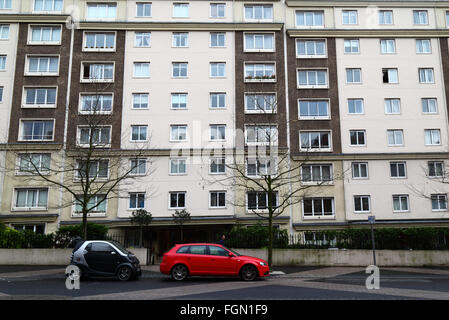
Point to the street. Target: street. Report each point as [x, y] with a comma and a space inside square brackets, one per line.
[287, 283]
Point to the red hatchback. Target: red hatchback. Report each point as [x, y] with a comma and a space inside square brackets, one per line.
[205, 259]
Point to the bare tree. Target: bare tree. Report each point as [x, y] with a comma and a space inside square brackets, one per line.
[266, 175]
[88, 171]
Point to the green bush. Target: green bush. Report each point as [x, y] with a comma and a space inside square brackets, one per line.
[255, 237]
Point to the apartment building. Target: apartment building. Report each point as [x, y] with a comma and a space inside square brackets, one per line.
[352, 94]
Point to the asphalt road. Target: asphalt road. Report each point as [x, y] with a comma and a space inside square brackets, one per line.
[289, 283]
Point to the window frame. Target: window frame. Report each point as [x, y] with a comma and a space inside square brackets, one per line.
[30, 42]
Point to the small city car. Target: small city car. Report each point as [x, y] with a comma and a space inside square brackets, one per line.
[204, 259]
[105, 259]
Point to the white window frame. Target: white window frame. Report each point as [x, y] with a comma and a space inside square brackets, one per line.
[217, 96]
[140, 95]
[426, 75]
[109, 6]
[143, 35]
[22, 121]
[46, 73]
[358, 102]
[180, 5]
[103, 64]
[253, 8]
[353, 72]
[100, 100]
[263, 166]
[359, 165]
[144, 5]
[351, 41]
[382, 16]
[215, 130]
[312, 86]
[400, 197]
[99, 48]
[349, 17]
[138, 165]
[313, 25]
[438, 196]
[274, 135]
[317, 117]
[309, 55]
[178, 94]
[321, 180]
[259, 34]
[397, 165]
[264, 65]
[266, 103]
[180, 67]
[420, 47]
[218, 35]
[396, 136]
[389, 70]
[140, 127]
[137, 195]
[84, 145]
[248, 210]
[44, 42]
[178, 126]
[423, 17]
[218, 6]
[179, 38]
[320, 148]
[29, 159]
[437, 174]
[364, 137]
[392, 104]
[40, 106]
[77, 176]
[35, 206]
[5, 4]
[94, 212]
[361, 197]
[177, 199]
[4, 31]
[49, 11]
[386, 47]
[220, 162]
[317, 215]
[218, 192]
[431, 136]
[217, 67]
[139, 67]
[178, 162]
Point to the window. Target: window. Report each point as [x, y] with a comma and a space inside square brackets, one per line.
[137, 200]
[217, 10]
[31, 163]
[4, 31]
[217, 200]
[395, 137]
[400, 203]
[353, 75]
[260, 72]
[177, 200]
[2, 62]
[423, 46]
[36, 228]
[357, 137]
[92, 170]
[139, 133]
[99, 72]
[217, 39]
[94, 136]
[385, 17]
[31, 199]
[355, 106]
[351, 46]
[39, 98]
[217, 165]
[218, 100]
[447, 18]
[37, 130]
[398, 170]
[420, 17]
[392, 106]
[140, 100]
[45, 35]
[439, 202]
[180, 10]
[99, 247]
[217, 69]
[178, 133]
[259, 12]
[426, 75]
[309, 19]
[180, 39]
[359, 170]
[1, 94]
[217, 132]
[5, 4]
[390, 75]
[143, 9]
[258, 200]
[95, 205]
[349, 16]
[179, 101]
[316, 173]
[47, 5]
[99, 41]
[101, 10]
[362, 204]
[436, 168]
[318, 207]
[315, 140]
[179, 69]
[429, 105]
[178, 166]
[259, 42]
[260, 103]
[313, 109]
[258, 167]
[387, 46]
[138, 167]
[39, 66]
[143, 39]
[432, 137]
[312, 78]
[141, 69]
[96, 104]
[261, 135]
[313, 48]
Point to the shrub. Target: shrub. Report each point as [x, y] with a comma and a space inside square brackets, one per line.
[255, 237]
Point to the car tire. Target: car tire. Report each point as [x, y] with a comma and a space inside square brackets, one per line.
[249, 272]
[124, 273]
[179, 272]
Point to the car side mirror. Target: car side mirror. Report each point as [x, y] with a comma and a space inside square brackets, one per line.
[231, 255]
[113, 252]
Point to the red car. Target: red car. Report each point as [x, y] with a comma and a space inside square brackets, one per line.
[201, 259]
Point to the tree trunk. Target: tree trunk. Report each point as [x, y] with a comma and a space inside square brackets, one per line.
[84, 226]
[141, 237]
[270, 239]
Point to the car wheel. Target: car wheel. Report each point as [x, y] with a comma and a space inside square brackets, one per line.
[179, 272]
[124, 273]
[249, 273]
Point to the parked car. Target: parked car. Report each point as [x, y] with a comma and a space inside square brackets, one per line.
[105, 259]
[200, 259]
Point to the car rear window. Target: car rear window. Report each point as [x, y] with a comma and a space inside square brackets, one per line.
[184, 249]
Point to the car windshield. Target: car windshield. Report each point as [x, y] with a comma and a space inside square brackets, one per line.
[120, 247]
[233, 251]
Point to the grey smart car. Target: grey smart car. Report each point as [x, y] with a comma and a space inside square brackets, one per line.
[100, 258]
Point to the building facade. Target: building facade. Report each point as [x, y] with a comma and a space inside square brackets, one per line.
[353, 95]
